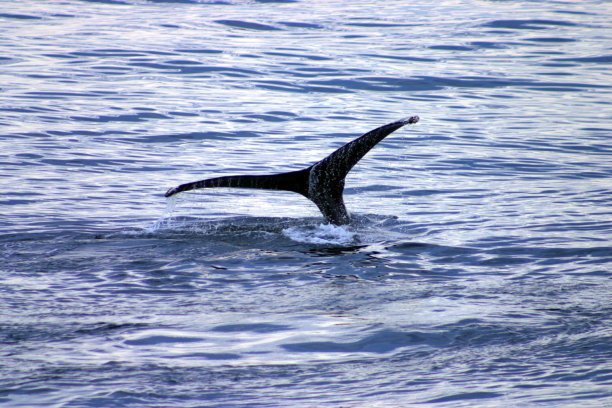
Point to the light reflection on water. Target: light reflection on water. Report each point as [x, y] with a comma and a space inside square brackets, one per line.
[476, 271]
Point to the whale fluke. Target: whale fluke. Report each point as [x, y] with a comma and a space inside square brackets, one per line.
[322, 183]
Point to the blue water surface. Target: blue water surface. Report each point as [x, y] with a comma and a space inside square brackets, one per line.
[476, 271]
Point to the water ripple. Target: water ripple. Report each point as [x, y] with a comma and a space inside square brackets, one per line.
[475, 271]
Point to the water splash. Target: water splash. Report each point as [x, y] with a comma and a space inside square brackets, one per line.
[165, 220]
[323, 234]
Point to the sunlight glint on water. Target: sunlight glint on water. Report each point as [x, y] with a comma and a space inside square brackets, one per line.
[475, 272]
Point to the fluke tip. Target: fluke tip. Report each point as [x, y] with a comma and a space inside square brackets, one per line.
[170, 192]
[410, 120]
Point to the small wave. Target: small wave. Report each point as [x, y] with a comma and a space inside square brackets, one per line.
[248, 25]
[527, 24]
[20, 16]
[323, 234]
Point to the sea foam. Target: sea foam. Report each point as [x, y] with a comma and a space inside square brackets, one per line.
[323, 234]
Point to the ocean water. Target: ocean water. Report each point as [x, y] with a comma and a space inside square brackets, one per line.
[476, 271]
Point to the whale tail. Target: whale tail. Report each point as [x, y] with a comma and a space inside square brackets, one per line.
[322, 183]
